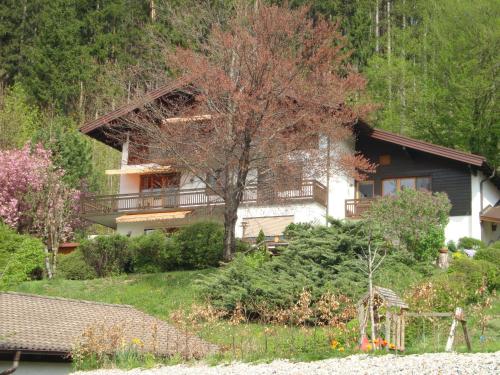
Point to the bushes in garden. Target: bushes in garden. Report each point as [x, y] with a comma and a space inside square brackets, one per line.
[490, 254]
[74, 267]
[195, 246]
[200, 244]
[154, 252]
[319, 260]
[107, 255]
[412, 220]
[21, 257]
[470, 243]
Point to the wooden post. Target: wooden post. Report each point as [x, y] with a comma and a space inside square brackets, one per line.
[466, 335]
[387, 329]
[402, 330]
[451, 337]
[362, 322]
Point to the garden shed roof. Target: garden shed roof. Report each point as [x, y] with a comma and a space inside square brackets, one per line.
[53, 326]
[390, 298]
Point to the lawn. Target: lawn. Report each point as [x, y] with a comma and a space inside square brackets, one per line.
[161, 294]
[157, 294]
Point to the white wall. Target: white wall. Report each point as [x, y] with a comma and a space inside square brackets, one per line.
[491, 195]
[340, 189]
[458, 227]
[38, 368]
[489, 235]
[302, 213]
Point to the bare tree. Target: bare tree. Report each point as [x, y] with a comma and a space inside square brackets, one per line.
[371, 259]
[256, 103]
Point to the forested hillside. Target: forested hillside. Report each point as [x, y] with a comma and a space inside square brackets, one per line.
[432, 66]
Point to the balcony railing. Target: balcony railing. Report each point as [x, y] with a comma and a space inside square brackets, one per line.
[354, 208]
[307, 191]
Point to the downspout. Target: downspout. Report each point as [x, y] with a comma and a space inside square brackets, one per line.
[481, 189]
[15, 364]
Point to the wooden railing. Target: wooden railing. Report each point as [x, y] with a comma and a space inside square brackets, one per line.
[307, 191]
[354, 208]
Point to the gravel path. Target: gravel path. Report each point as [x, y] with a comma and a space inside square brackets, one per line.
[433, 363]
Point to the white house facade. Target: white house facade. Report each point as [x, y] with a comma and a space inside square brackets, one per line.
[159, 197]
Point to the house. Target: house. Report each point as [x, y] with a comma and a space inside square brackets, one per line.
[45, 330]
[154, 196]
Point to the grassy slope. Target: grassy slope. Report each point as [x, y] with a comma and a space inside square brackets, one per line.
[157, 294]
[160, 294]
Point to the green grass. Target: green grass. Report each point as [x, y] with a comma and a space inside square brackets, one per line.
[160, 294]
[156, 294]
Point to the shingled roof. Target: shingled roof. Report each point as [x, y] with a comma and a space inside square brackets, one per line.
[54, 326]
[390, 298]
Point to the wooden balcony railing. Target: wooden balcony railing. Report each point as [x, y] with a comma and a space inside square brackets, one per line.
[354, 208]
[308, 191]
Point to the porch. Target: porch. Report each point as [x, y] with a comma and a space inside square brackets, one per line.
[110, 205]
[354, 208]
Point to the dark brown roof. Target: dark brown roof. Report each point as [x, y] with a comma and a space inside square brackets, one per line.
[51, 325]
[127, 108]
[390, 298]
[491, 214]
[401, 140]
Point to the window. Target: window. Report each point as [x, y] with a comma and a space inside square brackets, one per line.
[365, 189]
[157, 182]
[389, 187]
[392, 185]
[407, 183]
[424, 183]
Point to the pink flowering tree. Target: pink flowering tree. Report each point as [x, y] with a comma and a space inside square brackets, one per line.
[34, 199]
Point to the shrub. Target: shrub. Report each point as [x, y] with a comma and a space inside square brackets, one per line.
[24, 263]
[490, 254]
[107, 255]
[472, 273]
[413, 220]
[452, 246]
[470, 243]
[201, 245]
[74, 267]
[155, 252]
[427, 246]
[319, 260]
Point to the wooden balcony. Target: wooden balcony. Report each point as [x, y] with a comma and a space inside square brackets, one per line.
[94, 205]
[354, 208]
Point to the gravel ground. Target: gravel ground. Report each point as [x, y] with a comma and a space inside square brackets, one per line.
[433, 363]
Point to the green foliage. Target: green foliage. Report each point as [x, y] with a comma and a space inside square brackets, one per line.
[21, 257]
[490, 254]
[261, 237]
[428, 243]
[470, 243]
[155, 252]
[107, 255]
[73, 267]
[415, 220]
[452, 246]
[318, 259]
[71, 151]
[18, 118]
[472, 273]
[201, 245]
[438, 82]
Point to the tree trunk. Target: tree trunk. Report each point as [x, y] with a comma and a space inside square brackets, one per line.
[377, 27]
[230, 217]
[48, 263]
[371, 297]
